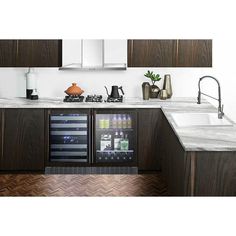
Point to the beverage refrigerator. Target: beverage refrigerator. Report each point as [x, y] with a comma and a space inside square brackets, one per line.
[95, 137]
[115, 137]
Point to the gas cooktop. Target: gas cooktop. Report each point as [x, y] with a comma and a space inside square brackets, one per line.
[91, 98]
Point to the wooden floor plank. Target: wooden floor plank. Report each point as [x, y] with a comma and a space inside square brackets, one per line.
[82, 185]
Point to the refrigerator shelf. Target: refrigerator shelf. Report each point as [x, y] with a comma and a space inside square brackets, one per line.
[114, 129]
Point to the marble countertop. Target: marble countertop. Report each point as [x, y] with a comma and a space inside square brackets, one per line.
[191, 138]
[127, 103]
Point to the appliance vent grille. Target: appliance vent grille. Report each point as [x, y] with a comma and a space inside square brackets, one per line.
[92, 170]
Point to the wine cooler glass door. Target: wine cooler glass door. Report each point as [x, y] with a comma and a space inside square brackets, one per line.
[69, 137]
[115, 137]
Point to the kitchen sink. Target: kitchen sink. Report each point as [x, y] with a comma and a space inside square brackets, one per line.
[199, 119]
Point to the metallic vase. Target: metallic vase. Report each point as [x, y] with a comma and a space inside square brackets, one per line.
[154, 91]
[146, 89]
[167, 85]
[163, 94]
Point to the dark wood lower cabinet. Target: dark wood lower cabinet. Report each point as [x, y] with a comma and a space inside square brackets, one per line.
[22, 140]
[200, 173]
[149, 123]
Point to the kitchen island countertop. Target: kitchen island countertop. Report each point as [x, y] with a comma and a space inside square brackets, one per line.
[192, 138]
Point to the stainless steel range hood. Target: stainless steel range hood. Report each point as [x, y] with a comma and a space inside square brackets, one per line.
[94, 54]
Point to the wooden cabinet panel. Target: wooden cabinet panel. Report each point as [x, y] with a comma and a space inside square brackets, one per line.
[23, 139]
[8, 53]
[194, 53]
[148, 138]
[169, 53]
[151, 53]
[46, 53]
[30, 53]
[24, 53]
[173, 159]
[214, 173]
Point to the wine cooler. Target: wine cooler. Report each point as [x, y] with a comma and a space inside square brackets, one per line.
[69, 137]
[115, 137]
[92, 138]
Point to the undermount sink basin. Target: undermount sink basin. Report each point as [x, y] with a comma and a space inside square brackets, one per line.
[199, 119]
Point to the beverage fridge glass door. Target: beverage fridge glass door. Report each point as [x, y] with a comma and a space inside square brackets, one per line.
[69, 137]
[115, 140]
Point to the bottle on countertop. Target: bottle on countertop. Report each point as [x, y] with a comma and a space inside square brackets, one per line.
[30, 82]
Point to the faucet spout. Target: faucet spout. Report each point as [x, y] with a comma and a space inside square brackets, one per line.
[220, 107]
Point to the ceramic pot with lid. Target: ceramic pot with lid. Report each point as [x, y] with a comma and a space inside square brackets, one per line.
[74, 90]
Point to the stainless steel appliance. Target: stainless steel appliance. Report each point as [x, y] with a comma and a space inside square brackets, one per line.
[115, 137]
[93, 137]
[69, 137]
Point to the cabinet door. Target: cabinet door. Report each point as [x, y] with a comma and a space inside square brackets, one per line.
[148, 139]
[115, 51]
[194, 53]
[8, 53]
[46, 53]
[23, 140]
[30, 53]
[24, 53]
[151, 53]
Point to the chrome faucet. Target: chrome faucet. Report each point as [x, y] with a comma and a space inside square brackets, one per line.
[220, 107]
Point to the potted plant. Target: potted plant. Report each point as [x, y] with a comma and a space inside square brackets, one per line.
[154, 90]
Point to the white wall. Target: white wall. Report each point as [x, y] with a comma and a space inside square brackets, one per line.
[52, 82]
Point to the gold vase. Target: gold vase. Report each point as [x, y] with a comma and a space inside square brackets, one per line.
[167, 85]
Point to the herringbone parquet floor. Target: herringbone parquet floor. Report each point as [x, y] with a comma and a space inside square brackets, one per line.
[82, 185]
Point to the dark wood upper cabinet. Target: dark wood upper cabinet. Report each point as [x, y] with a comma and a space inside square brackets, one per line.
[22, 141]
[47, 53]
[30, 53]
[194, 53]
[8, 53]
[169, 53]
[151, 53]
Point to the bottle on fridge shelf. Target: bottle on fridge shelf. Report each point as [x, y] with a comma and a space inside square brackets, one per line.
[114, 122]
[124, 122]
[101, 122]
[129, 122]
[119, 122]
[116, 141]
[105, 142]
[107, 122]
[124, 143]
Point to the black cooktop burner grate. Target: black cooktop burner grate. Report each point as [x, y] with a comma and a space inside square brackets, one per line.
[73, 98]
